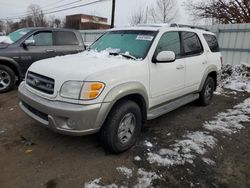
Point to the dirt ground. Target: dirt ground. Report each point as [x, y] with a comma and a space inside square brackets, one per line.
[32, 156]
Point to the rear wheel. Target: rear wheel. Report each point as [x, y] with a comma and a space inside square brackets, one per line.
[122, 127]
[7, 79]
[207, 91]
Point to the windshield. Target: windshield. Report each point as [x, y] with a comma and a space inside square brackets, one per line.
[16, 35]
[134, 43]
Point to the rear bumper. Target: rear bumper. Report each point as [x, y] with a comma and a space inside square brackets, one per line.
[65, 118]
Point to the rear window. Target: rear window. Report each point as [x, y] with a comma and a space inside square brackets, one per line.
[212, 42]
[191, 43]
[65, 38]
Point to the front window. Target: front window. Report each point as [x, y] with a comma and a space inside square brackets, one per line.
[131, 43]
[16, 35]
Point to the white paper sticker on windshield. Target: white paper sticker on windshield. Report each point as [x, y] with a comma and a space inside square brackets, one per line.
[144, 37]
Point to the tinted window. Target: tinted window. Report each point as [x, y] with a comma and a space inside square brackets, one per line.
[170, 41]
[191, 43]
[212, 42]
[42, 39]
[65, 38]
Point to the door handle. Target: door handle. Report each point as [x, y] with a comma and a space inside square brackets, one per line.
[50, 50]
[180, 67]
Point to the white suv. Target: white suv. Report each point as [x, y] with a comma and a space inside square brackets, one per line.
[126, 77]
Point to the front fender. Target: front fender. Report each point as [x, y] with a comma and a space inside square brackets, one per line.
[117, 93]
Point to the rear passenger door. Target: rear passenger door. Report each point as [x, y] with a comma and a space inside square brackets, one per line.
[196, 63]
[66, 42]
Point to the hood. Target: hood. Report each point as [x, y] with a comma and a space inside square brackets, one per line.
[78, 66]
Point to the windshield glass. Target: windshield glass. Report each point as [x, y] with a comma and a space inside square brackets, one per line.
[134, 43]
[16, 35]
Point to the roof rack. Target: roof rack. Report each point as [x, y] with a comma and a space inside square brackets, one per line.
[189, 26]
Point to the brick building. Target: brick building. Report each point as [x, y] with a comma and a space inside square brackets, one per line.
[85, 22]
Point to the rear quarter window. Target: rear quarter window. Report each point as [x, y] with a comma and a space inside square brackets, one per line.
[191, 44]
[65, 38]
[212, 42]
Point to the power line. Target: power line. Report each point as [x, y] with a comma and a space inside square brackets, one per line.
[61, 10]
[16, 16]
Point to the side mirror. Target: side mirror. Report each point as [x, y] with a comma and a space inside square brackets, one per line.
[29, 42]
[165, 57]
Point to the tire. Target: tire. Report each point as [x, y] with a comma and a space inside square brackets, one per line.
[7, 79]
[206, 94]
[122, 127]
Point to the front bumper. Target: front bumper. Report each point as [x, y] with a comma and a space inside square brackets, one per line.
[62, 117]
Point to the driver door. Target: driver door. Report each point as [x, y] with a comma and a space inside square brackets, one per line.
[167, 80]
[41, 49]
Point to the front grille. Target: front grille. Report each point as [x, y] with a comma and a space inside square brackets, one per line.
[36, 112]
[40, 83]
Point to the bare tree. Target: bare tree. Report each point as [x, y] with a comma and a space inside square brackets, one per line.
[37, 15]
[223, 11]
[164, 11]
[138, 17]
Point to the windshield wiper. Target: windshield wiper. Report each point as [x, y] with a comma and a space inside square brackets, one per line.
[123, 54]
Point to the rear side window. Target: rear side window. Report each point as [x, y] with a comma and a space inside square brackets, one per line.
[191, 43]
[65, 38]
[170, 41]
[212, 42]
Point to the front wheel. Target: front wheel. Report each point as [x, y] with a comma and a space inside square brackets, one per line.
[122, 127]
[7, 79]
[207, 91]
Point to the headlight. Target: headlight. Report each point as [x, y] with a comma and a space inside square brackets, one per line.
[71, 89]
[81, 90]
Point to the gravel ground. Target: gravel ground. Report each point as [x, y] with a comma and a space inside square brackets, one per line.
[32, 156]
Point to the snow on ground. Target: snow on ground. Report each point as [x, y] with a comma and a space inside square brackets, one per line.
[184, 150]
[148, 144]
[195, 144]
[2, 130]
[145, 178]
[125, 171]
[235, 77]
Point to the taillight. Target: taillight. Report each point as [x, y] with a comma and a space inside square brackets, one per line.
[221, 60]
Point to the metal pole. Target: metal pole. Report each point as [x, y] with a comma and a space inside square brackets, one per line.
[113, 14]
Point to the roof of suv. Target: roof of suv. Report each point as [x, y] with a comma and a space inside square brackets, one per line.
[48, 28]
[159, 27]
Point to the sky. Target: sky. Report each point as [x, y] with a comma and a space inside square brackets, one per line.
[124, 9]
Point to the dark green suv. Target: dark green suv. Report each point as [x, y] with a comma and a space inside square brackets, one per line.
[25, 46]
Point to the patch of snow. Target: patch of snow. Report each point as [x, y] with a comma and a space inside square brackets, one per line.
[208, 161]
[229, 122]
[148, 144]
[183, 150]
[125, 171]
[146, 178]
[236, 78]
[96, 184]
[2, 130]
[137, 158]
[5, 39]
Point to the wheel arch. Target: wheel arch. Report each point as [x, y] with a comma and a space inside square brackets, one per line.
[132, 91]
[211, 71]
[12, 65]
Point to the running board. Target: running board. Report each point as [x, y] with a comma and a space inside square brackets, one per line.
[168, 107]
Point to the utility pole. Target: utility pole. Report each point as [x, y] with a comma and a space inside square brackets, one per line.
[113, 14]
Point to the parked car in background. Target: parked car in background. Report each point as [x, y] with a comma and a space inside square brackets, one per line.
[23, 47]
[129, 75]
[2, 34]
